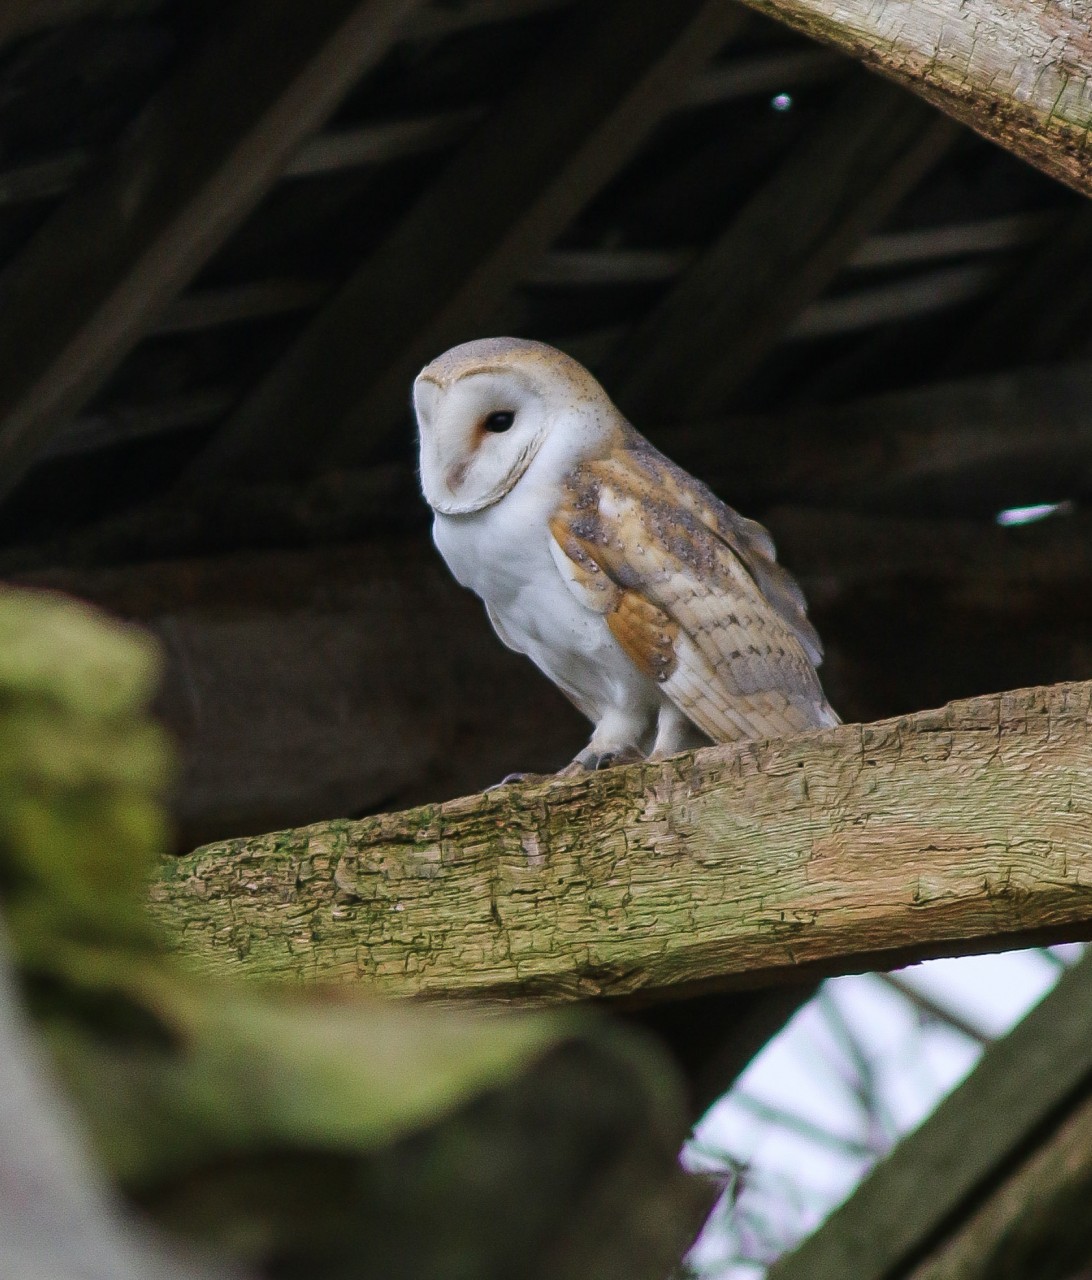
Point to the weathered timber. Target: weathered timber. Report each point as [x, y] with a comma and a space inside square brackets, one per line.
[1018, 73]
[966, 447]
[196, 160]
[1036, 1225]
[894, 302]
[945, 832]
[983, 235]
[732, 305]
[547, 148]
[382, 141]
[963, 447]
[995, 1182]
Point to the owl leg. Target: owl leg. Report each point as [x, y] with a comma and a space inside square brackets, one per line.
[675, 733]
[615, 741]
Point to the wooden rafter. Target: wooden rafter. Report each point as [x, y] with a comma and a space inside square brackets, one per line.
[1018, 73]
[941, 833]
[572, 122]
[382, 141]
[733, 304]
[196, 161]
[1036, 1225]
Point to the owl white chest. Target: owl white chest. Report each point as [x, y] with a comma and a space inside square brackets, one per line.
[503, 555]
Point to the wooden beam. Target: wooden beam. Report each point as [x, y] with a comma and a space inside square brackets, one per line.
[959, 239]
[1036, 1226]
[942, 833]
[1020, 73]
[386, 140]
[735, 302]
[934, 1011]
[199, 157]
[884, 304]
[915, 612]
[966, 447]
[330, 152]
[571, 123]
[957, 1181]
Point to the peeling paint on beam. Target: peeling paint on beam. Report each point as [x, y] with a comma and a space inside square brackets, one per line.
[946, 832]
[1020, 73]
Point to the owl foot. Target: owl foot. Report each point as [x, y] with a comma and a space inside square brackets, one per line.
[590, 761]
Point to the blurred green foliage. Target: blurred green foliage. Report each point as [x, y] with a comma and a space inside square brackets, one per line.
[316, 1134]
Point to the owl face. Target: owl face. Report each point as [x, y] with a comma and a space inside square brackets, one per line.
[479, 434]
[487, 410]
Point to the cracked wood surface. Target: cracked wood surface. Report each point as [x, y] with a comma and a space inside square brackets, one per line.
[1017, 71]
[963, 829]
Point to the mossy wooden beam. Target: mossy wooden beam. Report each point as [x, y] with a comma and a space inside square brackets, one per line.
[947, 832]
[1017, 71]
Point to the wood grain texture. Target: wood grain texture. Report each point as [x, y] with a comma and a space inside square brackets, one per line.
[963, 829]
[1017, 71]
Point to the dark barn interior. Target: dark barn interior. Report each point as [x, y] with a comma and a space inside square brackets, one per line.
[860, 322]
[231, 234]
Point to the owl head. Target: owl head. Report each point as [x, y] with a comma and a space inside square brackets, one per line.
[487, 410]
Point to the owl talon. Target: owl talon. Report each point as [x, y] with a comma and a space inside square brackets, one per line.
[514, 779]
[590, 761]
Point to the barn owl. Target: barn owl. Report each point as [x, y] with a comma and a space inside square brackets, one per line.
[659, 611]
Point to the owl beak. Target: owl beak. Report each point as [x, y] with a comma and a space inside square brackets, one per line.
[456, 476]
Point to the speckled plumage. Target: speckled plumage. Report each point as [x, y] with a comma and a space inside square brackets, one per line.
[658, 610]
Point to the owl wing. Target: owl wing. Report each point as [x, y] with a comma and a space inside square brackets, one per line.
[692, 593]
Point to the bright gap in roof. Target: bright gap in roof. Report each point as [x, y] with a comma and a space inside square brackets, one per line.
[1028, 515]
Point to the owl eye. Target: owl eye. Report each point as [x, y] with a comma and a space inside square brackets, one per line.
[499, 421]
